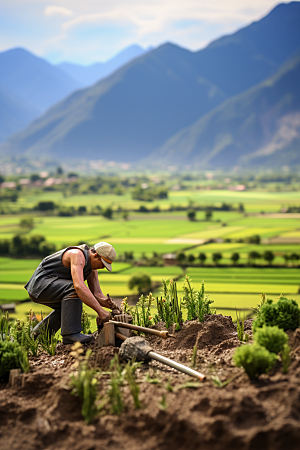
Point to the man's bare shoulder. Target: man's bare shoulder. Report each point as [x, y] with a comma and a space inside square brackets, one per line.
[73, 256]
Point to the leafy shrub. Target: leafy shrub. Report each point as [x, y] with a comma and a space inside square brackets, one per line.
[272, 338]
[285, 314]
[11, 357]
[255, 359]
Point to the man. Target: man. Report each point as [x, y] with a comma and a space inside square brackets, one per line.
[58, 282]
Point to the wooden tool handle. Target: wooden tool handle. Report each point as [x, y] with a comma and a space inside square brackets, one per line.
[162, 334]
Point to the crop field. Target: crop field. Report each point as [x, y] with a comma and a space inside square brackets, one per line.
[168, 232]
[254, 201]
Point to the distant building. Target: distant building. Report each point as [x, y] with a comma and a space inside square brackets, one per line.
[8, 307]
[170, 259]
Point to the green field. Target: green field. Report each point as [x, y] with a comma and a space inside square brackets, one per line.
[168, 232]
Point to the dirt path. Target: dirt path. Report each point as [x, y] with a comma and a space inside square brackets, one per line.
[264, 414]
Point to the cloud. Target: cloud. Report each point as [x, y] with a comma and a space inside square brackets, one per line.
[52, 10]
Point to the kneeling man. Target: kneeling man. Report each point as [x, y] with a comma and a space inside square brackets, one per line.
[58, 282]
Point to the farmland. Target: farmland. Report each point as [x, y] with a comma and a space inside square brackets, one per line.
[145, 234]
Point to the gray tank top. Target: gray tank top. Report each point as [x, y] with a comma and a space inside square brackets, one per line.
[52, 268]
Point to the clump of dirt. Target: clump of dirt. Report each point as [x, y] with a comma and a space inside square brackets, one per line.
[244, 414]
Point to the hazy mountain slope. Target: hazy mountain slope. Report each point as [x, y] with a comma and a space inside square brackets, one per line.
[258, 127]
[15, 114]
[33, 79]
[127, 115]
[243, 59]
[88, 75]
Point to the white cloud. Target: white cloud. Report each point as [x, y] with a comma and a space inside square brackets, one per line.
[52, 10]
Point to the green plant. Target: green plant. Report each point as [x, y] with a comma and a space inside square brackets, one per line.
[240, 328]
[21, 332]
[4, 326]
[24, 362]
[168, 306]
[84, 383]
[255, 359]
[168, 386]
[285, 314]
[197, 303]
[48, 341]
[142, 313]
[11, 357]
[272, 338]
[163, 403]
[194, 357]
[129, 375]
[114, 392]
[285, 358]
[85, 322]
[218, 383]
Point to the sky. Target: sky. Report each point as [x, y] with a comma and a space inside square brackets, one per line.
[87, 31]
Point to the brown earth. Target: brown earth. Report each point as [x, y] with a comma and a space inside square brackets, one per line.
[251, 415]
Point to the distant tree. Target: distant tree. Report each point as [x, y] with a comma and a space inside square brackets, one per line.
[82, 210]
[45, 206]
[253, 256]
[216, 257]
[191, 215]
[255, 239]
[208, 215]
[129, 256]
[268, 256]
[108, 213]
[59, 170]
[191, 258]
[125, 215]
[4, 247]
[34, 177]
[241, 207]
[235, 257]
[27, 222]
[287, 258]
[294, 257]
[202, 257]
[46, 248]
[140, 281]
[143, 209]
[180, 257]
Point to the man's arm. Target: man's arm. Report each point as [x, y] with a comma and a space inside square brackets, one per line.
[77, 264]
[95, 288]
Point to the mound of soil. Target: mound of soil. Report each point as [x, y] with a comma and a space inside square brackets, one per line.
[244, 414]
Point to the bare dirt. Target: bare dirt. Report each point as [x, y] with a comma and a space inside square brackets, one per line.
[251, 415]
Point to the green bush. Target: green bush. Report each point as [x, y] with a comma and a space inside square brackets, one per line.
[272, 338]
[255, 359]
[11, 357]
[285, 314]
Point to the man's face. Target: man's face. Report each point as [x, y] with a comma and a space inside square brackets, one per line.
[96, 262]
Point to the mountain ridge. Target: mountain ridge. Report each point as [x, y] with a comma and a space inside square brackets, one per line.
[140, 107]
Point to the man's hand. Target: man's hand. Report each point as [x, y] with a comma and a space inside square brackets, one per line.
[105, 302]
[103, 316]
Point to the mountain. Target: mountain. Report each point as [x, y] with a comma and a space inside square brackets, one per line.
[134, 111]
[88, 75]
[15, 114]
[33, 79]
[127, 115]
[260, 127]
